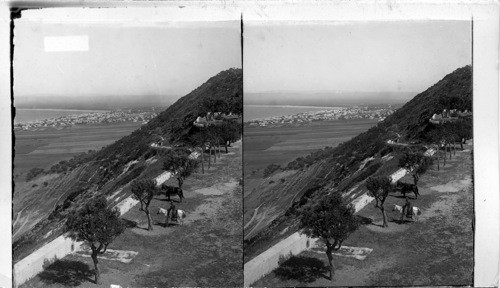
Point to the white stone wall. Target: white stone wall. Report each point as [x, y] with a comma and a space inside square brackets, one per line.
[33, 264]
[266, 262]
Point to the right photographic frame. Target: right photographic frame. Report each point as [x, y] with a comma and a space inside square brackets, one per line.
[358, 153]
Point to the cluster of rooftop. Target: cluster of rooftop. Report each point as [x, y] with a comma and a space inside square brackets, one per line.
[213, 118]
[338, 113]
[90, 118]
[449, 115]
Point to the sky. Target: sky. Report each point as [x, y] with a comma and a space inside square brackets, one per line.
[111, 58]
[396, 56]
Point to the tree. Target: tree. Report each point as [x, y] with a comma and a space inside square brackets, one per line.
[213, 139]
[97, 226]
[144, 190]
[331, 221]
[415, 162]
[230, 132]
[436, 136]
[379, 188]
[180, 164]
[199, 139]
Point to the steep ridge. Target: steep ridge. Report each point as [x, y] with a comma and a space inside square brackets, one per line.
[342, 168]
[103, 172]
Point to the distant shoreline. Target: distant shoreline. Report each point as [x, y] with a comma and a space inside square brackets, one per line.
[56, 109]
[294, 106]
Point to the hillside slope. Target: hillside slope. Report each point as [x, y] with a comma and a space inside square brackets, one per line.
[111, 170]
[343, 168]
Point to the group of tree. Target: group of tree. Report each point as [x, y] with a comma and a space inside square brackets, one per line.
[414, 161]
[447, 135]
[212, 137]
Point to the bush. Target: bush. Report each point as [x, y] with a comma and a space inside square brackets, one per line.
[270, 170]
[33, 173]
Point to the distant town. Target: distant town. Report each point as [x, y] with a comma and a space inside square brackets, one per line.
[338, 113]
[119, 115]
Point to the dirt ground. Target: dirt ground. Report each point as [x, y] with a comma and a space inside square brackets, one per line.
[205, 251]
[436, 250]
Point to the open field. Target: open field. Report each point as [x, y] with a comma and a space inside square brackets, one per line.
[437, 250]
[42, 148]
[205, 251]
[264, 146]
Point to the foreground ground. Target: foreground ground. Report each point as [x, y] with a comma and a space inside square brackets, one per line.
[437, 250]
[205, 251]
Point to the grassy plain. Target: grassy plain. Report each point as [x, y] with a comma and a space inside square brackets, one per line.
[280, 145]
[44, 147]
[435, 251]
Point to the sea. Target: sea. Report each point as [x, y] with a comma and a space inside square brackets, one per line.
[254, 112]
[29, 115]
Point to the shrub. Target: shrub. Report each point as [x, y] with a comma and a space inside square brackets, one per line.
[270, 170]
[33, 173]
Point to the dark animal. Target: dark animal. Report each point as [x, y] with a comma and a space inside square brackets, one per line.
[171, 190]
[407, 188]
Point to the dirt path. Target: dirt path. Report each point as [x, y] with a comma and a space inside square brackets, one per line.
[436, 250]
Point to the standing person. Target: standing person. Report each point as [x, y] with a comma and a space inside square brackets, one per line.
[408, 208]
[172, 209]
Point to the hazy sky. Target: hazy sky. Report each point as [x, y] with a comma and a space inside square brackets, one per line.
[353, 56]
[168, 58]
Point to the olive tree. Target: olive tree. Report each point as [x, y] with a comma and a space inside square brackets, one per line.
[180, 164]
[415, 162]
[144, 190]
[96, 225]
[379, 187]
[331, 221]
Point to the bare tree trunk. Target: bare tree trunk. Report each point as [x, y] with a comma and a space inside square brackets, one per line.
[215, 155]
[202, 163]
[209, 156]
[437, 155]
[384, 215]
[330, 261]
[225, 145]
[97, 274]
[218, 148]
[444, 158]
[329, 250]
[449, 148]
[150, 227]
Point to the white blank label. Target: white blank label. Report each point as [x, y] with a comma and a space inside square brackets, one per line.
[66, 43]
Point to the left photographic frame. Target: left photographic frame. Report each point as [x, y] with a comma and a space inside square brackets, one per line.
[127, 147]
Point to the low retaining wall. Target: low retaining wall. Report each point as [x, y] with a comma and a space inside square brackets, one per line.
[269, 260]
[266, 262]
[34, 263]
